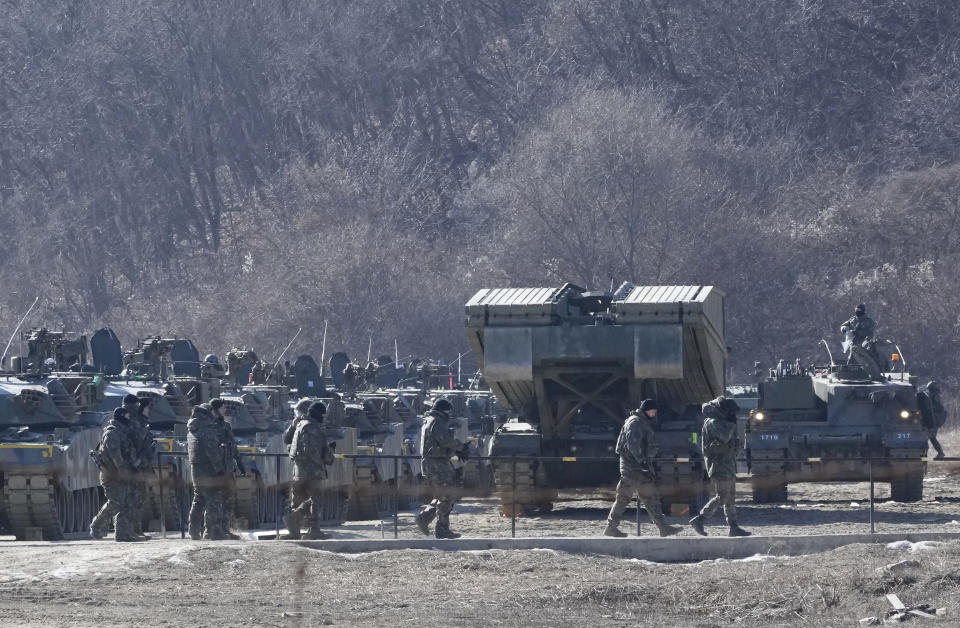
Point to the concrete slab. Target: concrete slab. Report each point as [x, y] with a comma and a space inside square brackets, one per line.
[669, 550]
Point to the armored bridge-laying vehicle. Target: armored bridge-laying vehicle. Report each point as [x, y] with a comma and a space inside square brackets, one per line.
[570, 365]
[819, 424]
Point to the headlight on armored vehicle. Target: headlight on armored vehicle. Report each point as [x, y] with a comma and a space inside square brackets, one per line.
[904, 414]
[759, 416]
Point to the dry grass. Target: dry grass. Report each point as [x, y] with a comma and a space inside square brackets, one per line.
[282, 585]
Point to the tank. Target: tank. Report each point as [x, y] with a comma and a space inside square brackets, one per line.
[258, 416]
[48, 425]
[810, 421]
[379, 419]
[569, 365]
[151, 371]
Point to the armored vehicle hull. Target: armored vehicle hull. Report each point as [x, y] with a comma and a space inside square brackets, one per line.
[836, 424]
[570, 365]
[50, 483]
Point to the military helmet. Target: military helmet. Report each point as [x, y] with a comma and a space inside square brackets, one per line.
[303, 406]
[131, 400]
[443, 405]
[211, 359]
[317, 410]
[648, 404]
[216, 403]
[860, 309]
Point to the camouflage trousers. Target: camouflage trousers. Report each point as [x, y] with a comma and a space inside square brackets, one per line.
[442, 481]
[305, 501]
[724, 489]
[644, 488]
[119, 508]
[932, 436]
[210, 508]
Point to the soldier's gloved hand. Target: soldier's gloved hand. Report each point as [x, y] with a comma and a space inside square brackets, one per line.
[333, 446]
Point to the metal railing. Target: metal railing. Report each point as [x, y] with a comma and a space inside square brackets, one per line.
[514, 461]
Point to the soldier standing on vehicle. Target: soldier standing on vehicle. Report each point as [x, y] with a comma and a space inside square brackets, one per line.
[371, 375]
[439, 446]
[719, 446]
[213, 459]
[115, 458]
[336, 411]
[636, 447]
[860, 325]
[933, 414]
[311, 454]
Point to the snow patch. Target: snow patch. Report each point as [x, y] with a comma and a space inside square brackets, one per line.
[914, 547]
[756, 558]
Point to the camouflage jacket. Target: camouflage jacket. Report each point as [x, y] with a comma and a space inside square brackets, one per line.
[210, 445]
[116, 450]
[142, 439]
[292, 428]
[861, 326]
[438, 438]
[636, 446]
[310, 452]
[932, 412]
[719, 446]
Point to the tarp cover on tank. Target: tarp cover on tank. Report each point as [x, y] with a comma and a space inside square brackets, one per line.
[107, 353]
[668, 336]
[186, 358]
[307, 375]
[338, 362]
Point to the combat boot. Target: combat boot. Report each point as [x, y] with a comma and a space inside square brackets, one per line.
[443, 532]
[668, 530]
[736, 530]
[613, 530]
[697, 524]
[315, 535]
[424, 518]
[128, 539]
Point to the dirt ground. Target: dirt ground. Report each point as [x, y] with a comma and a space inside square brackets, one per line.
[252, 583]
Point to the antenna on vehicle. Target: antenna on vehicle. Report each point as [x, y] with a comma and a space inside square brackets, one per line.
[830, 353]
[13, 335]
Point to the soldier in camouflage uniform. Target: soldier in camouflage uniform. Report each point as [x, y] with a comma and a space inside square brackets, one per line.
[719, 446]
[336, 411]
[299, 414]
[636, 447]
[213, 459]
[143, 448]
[933, 414]
[311, 454]
[115, 458]
[439, 446]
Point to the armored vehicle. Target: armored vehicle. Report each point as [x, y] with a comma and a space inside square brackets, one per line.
[570, 365]
[820, 423]
[48, 425]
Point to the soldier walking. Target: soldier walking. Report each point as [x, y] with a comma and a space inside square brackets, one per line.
[311, 454]
[115, 458]
[439, 446]
[213, 458]
[933, 414]
[138, 410]
[636, 447]
[719, 446]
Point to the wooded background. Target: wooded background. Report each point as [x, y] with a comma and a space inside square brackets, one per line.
[232, 170]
